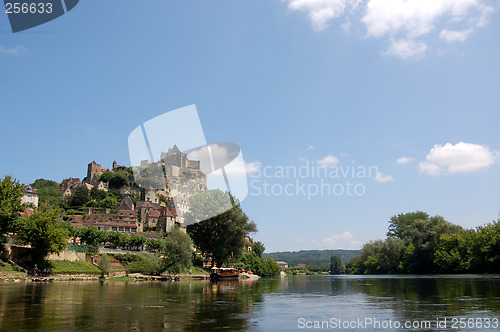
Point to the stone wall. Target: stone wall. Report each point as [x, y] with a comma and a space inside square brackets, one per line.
[68, 255]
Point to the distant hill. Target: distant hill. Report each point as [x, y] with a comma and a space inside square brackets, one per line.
[312, 257]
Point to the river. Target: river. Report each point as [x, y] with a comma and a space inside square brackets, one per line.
[347, 303]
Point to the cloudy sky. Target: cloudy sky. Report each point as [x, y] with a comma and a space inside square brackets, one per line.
[346, 111]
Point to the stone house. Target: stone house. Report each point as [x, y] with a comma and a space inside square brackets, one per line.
[30, 196]
[69, 185]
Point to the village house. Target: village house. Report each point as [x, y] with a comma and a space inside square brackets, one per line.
[30, 196]
[283, 265]
[167, 219]
[69, 186]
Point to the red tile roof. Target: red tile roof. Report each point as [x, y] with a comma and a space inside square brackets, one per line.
[154, 214]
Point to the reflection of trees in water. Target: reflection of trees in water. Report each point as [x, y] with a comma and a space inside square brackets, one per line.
[435, 296]
[143, 306]
[228, 304]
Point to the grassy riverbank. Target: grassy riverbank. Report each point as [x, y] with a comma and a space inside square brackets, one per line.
[77, 267]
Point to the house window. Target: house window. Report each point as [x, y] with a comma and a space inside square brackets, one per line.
[114, 228]
[127, 229]
[120, 229]
[133, 230]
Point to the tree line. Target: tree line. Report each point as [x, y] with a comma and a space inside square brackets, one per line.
[419, 244]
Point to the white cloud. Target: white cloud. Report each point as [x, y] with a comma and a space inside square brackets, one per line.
[380, 177]
[340, 241]
[451, 36]
[459, 158]
[406, 48]
[334, 238]
[321, 12]
[310, 147]
[328, 161]
[404, 160]
[253, 167]
[13, 50]
[409, 25]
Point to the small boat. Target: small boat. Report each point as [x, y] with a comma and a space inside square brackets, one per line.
[224, 273]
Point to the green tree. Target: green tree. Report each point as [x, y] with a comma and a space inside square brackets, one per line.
[104, 264]
[11, 192]
[48, 191]
[336, 265]
[424, 235]
[452, 254]
[137, 241]
[398, 224]
[108, 202]
[378, 257]
[155, 245]
[44, 232]
[149, 264]
[273, 268]
[259, 266]
[80, 197]
[106, 176]
[97, 194]
[92, 236]
[177, 250]
[118, 180]
[220, 237]
[258, 248]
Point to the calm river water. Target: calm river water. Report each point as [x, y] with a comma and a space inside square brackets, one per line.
[347, 303]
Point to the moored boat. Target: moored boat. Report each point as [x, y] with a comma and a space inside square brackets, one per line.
[224, 273]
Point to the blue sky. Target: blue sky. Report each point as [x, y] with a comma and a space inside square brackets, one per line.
[337, 83]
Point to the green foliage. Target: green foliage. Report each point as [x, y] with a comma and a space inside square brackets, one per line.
[91, 235]
[473, 251]
[412, 246]
[220, 237]
[108, 202]
[250, 261]
[119, 179]
[42, 183]
[398, 225]
[149, 264]
[116, 179]
[80, 197]
[136, 241]
[156, 245]
[336, 265]
[97, 194]
[424, 235]
[106, 176]
[104, 264]
[48, 192]
[378, 257]
[44, 232]
[177, 250]
[258, 248]
[11, 192]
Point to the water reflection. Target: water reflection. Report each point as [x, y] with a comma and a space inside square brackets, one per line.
[262, 305]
